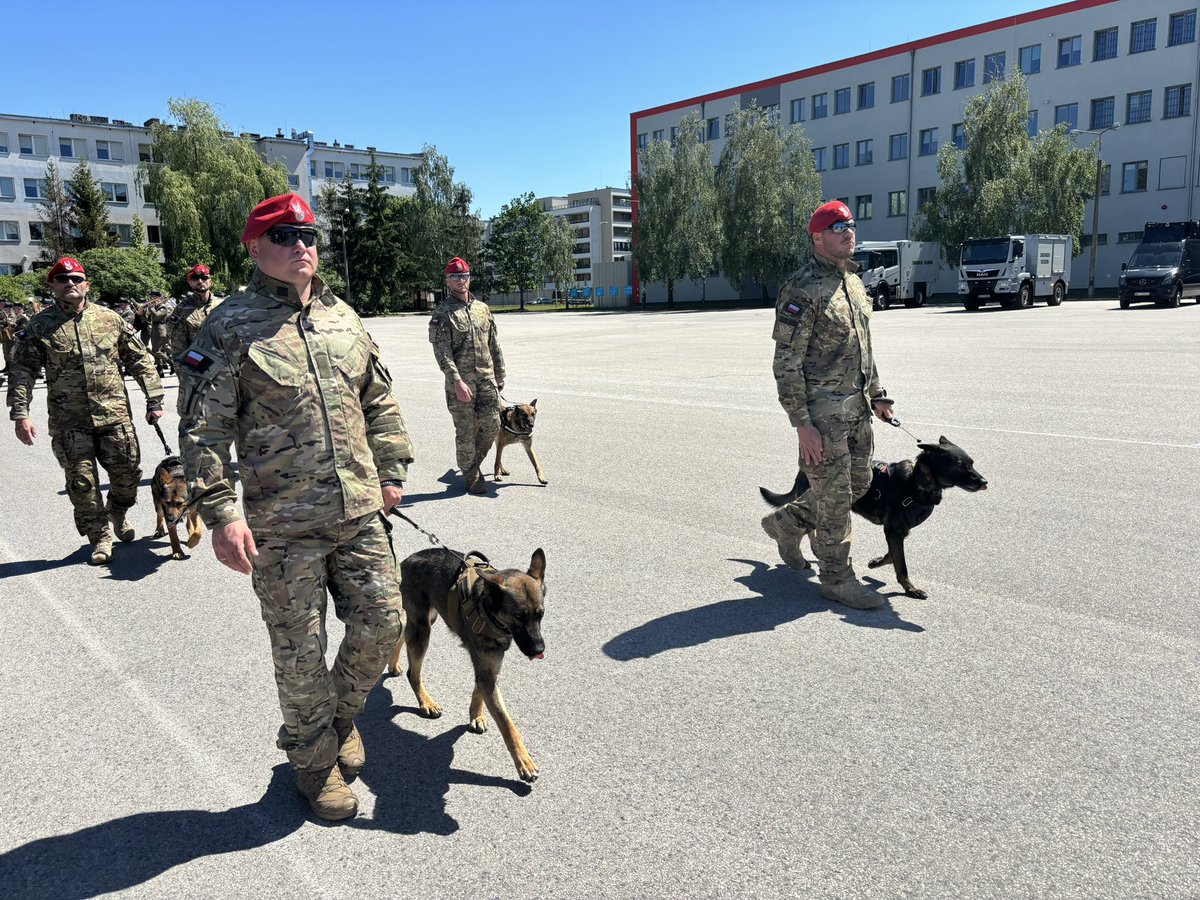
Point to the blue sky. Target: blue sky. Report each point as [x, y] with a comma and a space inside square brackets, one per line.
[523, 95]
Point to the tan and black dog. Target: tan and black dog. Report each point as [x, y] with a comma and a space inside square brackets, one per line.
[516, 427]
[488, 610]
[170, 492]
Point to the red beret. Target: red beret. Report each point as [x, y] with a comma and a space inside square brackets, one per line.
[287, 209]
[456, 266]
[827, 214]
[66, 265]
[198, 270]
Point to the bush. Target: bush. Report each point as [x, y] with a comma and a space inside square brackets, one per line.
[130, 272]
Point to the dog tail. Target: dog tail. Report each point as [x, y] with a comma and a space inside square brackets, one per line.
[777, 500]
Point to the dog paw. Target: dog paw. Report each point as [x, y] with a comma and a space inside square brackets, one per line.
[503, 471]
[478, 725]
[159, 533]
[193, 539]
[528, 772]
[498, 475]
[543, 480]
[179, 555]
[916, 593]
[431, 710]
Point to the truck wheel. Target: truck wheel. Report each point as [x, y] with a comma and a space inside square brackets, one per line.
[971, 304]
[918, 297]
[1056, 296]
[1024, 297]
[883, 298]
[1175, 296]
[1124, 301]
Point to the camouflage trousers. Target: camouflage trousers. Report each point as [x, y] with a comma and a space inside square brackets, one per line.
[475, 425]
[356, 563]
[160, 347]
[115, 447]
[840, 478]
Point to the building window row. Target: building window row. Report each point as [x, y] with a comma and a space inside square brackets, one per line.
[38, 145]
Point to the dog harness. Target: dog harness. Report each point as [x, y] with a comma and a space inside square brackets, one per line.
[461, 607]
[504, 423]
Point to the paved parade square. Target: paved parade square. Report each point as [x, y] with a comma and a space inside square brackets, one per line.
[705, 724]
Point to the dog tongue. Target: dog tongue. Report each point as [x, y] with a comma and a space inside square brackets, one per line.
[539, 656]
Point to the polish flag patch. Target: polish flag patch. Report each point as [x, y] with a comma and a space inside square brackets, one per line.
[197, 361]
[792, 308]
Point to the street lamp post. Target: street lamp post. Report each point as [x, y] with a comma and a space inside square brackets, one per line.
[1096, 201]
[346, 255]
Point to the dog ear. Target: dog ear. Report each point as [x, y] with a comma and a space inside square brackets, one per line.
[942, 440]
[534, 403]
[537, 565]
[931, 448]
[166, 476]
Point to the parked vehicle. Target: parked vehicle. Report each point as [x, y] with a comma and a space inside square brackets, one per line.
[1015, 269]
[902, 270]
[1165, 266]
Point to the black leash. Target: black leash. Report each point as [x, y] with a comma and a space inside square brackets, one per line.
[894, 421]
[437, 542]
[166, 446]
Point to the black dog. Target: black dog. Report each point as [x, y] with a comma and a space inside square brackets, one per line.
[902, 495]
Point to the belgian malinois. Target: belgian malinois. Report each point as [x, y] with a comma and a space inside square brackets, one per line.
[488, 610]
[169, 489]
[516, 427]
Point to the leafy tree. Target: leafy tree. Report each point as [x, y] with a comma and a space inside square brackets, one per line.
[678, 230]
[767, 189]
[558, 260]
[89, 209]
[442, 225]
[123, 272]
[204, 188]
[1003, 181]
[58, 218]
[518, 250]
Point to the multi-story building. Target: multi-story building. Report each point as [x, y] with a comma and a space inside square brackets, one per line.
[876, 120]
[601, 222]
[115, 149]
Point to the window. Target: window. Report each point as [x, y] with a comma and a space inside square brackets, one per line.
[898, 146]
[1030, 59]
[658, 134]
[993, 67]
[9, 232]
[1133, 177]
[866, 95]
[8, 190]
[1177, 101]
[1068, 51]
[35, 188]
[1141, 35]
[1137, 107]
[148, 196]
[1085, 240]
[771, 111]
[820, 106]
[820, 158]
[925, 196]
[312, 168]
[929, 141]
[841, 101]
[643, 141]
[1102, 112]
[33, 144]
[674, 134]
[116, 193]
[406, 176]
[153, 234]
[900, 88]
[358, 172]
[713, 132]
[1031, 122]
[3, 142]
[931, 81]
[123, 232]
[1181, 28]
[1067, 114]
[37, 232]
[72, 148]
[1105, 179]
[145, 152]
[841, 156]
[389, 174]
[864, 153]
[293, 181]
[897, 203]
[112, 151]
[334, 169]
[964, 74]
[1129, 237]
[862, 207]
[958, 135]
[797, 110]
[1106, 44]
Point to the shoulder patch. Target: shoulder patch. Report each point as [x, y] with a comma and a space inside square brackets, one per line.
[792, 308]
[197, 361]
[434, 320]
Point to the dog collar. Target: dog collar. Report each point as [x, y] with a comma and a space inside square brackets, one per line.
[504, 424]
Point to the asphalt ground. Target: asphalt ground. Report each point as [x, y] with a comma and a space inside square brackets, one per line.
[705, 724]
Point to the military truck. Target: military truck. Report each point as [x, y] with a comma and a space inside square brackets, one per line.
[1015, 270]
[902, 270]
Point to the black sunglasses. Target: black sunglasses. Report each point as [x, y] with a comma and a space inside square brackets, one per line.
[843, 226]
[204, 277]
[74, 279]
[287, 237]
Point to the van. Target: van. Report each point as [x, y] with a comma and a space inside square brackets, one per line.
[1165, 266]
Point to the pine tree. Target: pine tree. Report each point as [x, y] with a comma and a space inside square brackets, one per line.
[89, 207]
[58, 219]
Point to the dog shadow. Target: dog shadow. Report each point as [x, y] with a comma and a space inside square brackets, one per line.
[454, 488]
[123, 853]
[34, 566]
[781, 599]
[138, 559]
[409, 773]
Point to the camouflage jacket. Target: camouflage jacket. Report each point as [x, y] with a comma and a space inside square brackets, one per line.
[823, 363]
[81, 353]
[300, 389]
[464, 340]
[186, 319]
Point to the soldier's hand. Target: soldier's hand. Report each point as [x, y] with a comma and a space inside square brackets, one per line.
[234, 546]
[462, 391]
[883, 411]
[812, 445]
[392, 496]
[26, 431]
[153, 415]
[500, 385]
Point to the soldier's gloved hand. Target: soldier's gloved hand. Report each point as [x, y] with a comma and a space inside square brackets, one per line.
[462, 391]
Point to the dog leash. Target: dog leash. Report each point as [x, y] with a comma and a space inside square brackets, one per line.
[437, 541]
[166, 446]
[896, 422]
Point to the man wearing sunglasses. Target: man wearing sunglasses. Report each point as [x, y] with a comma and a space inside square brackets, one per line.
[827, 383]
[187, 317]
[285, 371]
[465, 345]
[83, 346]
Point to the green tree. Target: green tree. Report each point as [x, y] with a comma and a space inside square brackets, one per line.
[678, 232]
[58, 218]
[558, 260]
[89, 210]
[204, 188]
[442, 225]
[1003, 181]
[517, 251]
[767, 188]
[123, 272]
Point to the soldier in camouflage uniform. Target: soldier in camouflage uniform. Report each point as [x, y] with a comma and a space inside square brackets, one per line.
[191, 311]
[827, 382]
[13, 318]
[80, 344]
[463, 334]
[286, 372]
[156, 312]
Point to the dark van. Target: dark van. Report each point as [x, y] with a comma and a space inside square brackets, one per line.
[1165, 267]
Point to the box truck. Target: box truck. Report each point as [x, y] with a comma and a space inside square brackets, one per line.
[1015, 270]
[902, 270]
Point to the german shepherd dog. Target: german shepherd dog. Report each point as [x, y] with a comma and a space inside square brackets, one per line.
[902, 495]
[488, 610]
[170, 492]
[516, 427]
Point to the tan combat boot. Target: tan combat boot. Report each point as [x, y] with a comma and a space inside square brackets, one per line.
[853, 593]
[101, 548]
[789, 545]
[352, 755]
[121, 526]
[327, 792]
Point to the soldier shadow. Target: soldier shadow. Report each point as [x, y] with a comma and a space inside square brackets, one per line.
[130, 851]
[784, 596]
[137, 559]
[33, 566]
[410, 774]
[454, 488]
